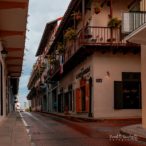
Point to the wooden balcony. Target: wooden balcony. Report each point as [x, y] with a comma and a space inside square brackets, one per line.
[91, 39]
[55, 67]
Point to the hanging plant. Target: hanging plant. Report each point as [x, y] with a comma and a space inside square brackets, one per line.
[60, 48]
[70, 34]
[114, 23]
[76, 15]
[43, 65]
[51, 59]
[97, 8]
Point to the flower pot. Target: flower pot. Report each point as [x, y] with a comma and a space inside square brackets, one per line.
[97, 10]
[78, 17]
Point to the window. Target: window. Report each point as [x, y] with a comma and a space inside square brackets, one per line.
[127, 93]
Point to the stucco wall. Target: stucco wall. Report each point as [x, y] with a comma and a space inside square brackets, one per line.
[102, 18]
[72, 75]
[104, 91]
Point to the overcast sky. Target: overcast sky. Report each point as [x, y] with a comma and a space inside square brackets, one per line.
[40, 12]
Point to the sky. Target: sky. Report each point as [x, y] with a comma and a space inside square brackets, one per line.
[40, 12]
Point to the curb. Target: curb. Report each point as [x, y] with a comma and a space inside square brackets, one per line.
[86, 119]
[73, 118]
[139, 138]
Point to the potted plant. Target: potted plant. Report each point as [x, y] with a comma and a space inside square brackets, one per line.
[114, 23]
[70, 34]
[51, 59]
[43, 64]
[60, 48]
[78, 16]
[97, 8]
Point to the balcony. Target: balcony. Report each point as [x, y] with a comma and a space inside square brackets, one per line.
[134, 26]
[91, 39]
[94, 37]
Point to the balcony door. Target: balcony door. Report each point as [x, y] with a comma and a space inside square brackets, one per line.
[83, 98]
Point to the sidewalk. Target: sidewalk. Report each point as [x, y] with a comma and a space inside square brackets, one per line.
[13, 132]
[136, 129]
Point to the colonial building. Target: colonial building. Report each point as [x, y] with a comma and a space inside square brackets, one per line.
[92, 70]
[13, 19]
[38, 82]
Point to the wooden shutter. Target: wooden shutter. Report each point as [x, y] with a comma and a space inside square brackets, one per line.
[87, 97]
[78, 100]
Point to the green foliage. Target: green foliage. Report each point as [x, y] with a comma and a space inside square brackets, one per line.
[70, 34]
[60, 48]
[114, 23]
[51, 59]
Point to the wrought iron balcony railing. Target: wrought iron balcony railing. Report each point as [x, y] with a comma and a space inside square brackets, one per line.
[93, 35]
[100, 35]
[90, 36]
[132, 21]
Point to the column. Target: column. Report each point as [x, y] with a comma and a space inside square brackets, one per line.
[143, 84]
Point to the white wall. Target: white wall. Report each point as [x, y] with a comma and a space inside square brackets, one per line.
[71, 77]
[104, 91]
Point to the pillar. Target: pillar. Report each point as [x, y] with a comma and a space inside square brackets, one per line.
[143, 84]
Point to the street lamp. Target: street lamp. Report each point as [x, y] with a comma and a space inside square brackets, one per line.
[4, 53]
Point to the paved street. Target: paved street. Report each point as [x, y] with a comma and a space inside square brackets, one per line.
[47, 130]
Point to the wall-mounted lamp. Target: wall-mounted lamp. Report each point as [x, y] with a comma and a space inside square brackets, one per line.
[107, 74]
[4, 53]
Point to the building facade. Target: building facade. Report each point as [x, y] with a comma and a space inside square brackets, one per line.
[12, 40]
[92, 70]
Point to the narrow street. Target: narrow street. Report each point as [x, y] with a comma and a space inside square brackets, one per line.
[47, 130]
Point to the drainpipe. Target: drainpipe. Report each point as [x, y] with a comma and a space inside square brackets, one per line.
[111, 9]
[83, 18]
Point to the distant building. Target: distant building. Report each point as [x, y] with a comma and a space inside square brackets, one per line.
[17, 106]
